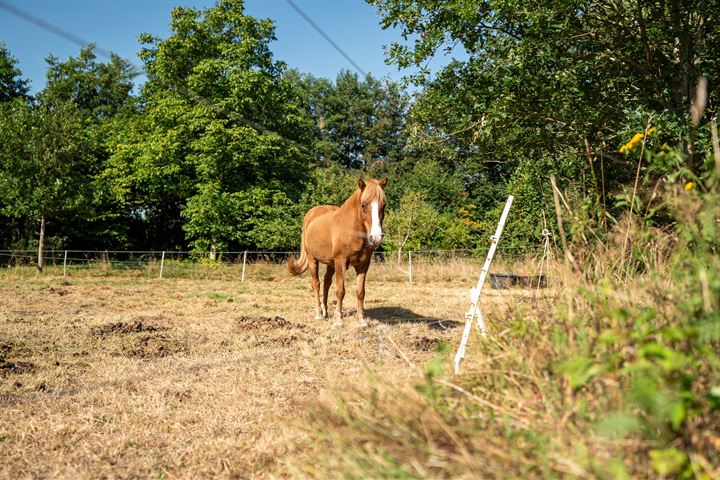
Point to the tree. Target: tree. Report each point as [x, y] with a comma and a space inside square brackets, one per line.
[101, 92]
[417, 225]
[532, 85]
[44, 166]
[358, 124]
[11, 85]
[219, 133]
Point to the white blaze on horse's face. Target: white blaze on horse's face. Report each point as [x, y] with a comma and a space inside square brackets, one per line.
[372, 199]
[375, 235]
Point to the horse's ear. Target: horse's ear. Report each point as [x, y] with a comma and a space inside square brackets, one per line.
[361, 184]
[383, 182]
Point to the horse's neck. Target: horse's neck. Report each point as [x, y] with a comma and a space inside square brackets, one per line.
[351, 207]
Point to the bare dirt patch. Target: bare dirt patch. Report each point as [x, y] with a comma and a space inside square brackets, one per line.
[153, 346]
[249, 322]
[426, 344]
[122, 328]
[7, 367]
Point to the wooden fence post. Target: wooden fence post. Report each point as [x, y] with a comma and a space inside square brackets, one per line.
[162, 263]
[410, 266]
[65, 265]
[242, 278]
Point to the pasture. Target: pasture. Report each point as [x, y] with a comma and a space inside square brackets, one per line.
[126, 376]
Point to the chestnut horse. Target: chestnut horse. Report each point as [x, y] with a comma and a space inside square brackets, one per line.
[341, 237]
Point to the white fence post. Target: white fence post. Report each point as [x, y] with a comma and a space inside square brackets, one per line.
[410, 266]
[162, 263]
[65, 265]
[474, 312]
[242, 278]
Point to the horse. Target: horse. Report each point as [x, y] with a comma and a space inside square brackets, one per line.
[340, 237]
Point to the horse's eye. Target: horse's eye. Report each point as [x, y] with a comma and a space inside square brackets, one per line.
[364, 206]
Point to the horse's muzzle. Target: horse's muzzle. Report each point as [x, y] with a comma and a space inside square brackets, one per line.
[375, 239]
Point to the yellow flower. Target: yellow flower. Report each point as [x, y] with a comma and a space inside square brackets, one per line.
[637, 138]
[651, 131]
[689, 186]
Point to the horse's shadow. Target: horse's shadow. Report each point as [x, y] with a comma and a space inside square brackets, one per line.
[395, 315]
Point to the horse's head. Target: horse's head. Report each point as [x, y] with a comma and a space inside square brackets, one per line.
[372, 208]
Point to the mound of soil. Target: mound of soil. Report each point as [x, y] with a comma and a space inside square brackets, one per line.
[143, 339]
[264, 323]
[122, 328]
[148, 346]
[7, 367]
[425, 344]
[58, 291]
[6, 348]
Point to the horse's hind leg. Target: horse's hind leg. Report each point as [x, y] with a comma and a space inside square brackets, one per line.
[340, 266]
[327, 281]
[315, 279]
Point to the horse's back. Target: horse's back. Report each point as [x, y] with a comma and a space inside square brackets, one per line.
[318, 211]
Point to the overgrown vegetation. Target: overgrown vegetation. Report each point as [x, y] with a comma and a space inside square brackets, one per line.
[616, 377]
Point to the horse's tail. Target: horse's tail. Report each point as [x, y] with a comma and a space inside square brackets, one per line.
[299, 266]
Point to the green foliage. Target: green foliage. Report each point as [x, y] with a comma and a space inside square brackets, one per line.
[99, 90]
[356, 123]
[11, 85]
[219, 138]
[667, 462]
[415, 225]
[44, 165]
[227, 148]
[529, 84]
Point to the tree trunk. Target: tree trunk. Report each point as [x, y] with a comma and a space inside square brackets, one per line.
[41, 245]
[213, 252]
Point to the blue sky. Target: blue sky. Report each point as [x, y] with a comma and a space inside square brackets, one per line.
[115, 24]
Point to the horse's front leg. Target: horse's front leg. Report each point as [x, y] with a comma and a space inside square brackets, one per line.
[361, 271]
[340, 267]
[327, 281]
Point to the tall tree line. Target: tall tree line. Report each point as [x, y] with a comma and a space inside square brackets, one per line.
[225, 147]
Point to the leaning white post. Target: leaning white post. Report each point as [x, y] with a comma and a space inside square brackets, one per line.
[65, 265]
[162, 263]
[242, 279]
[474, 312]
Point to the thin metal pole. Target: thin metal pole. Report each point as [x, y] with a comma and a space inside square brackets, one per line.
[242, 279]
[474, 311]
[162, 263]
[65, 265]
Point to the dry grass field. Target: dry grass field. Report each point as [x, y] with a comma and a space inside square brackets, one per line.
[126, 376]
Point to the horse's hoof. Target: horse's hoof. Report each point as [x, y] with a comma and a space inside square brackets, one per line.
[318, 316]
[362, 323]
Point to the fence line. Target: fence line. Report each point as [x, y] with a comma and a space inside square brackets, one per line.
[248, 264]
[478, 251]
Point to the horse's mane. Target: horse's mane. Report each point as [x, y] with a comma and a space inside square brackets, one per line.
[372, 191]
